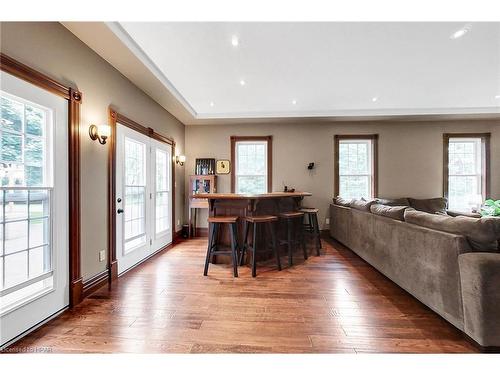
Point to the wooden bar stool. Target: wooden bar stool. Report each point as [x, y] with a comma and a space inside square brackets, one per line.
[259, 222]
[291, 218]
[214, 223]
[311, 226]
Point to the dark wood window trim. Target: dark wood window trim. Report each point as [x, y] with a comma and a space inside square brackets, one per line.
[117, 118]
[269, 140]
[485, 142]
[74, 98]
[374, 139]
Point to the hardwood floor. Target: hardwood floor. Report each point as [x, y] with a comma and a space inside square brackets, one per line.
[335, 303]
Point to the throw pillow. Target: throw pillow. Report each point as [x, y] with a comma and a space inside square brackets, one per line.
[431, 206]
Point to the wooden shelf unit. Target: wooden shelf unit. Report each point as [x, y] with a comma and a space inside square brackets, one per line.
[199, 184]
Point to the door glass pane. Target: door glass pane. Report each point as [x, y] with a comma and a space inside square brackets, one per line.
[162, 210]
[161, 171]
[135, 163]
[135, 195]
[162, 192]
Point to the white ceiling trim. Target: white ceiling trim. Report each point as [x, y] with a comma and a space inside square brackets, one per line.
[129, 42]
[355, 112]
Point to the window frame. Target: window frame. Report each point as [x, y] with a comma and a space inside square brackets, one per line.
[362, 137]
[269, 140]
[74, 98]
[485, 156]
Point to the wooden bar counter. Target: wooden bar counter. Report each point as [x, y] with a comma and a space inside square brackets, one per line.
[242, 205]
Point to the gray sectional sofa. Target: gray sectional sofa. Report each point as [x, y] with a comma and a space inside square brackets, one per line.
[451, 264]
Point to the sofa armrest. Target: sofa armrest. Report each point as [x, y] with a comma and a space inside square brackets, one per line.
[480, 281]
[468, 214]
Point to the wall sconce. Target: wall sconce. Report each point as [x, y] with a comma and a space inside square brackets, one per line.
[100, 133]
[180, 159]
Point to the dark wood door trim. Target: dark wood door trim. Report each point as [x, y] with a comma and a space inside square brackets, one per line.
[336, 140]
[269, 140]
[74, 98]
[486, 152]
[114, 119]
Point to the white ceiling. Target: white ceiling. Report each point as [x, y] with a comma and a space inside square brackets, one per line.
[329, 69]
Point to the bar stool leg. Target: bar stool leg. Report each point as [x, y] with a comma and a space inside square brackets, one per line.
[309, 224]
[233, 249]
[289, 240]
[272, 229]
[318, 235]
[254, 250]
[214, 241]
[245, 242]
[302, 239]
[209, 248]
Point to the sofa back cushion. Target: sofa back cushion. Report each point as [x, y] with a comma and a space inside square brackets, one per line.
[361, 204]
[394, 212]
[339, 201]
[431, 205]
[483, 234]
[393, 201]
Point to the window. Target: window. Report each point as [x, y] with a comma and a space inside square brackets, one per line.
[25, 192]
[251, 158]
[356, 166]
[466, 171]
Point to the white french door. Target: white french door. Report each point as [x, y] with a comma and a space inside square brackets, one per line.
[34, 247]
[143, 196]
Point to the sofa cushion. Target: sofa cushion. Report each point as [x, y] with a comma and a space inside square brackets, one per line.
[431, 205]
[483, 234]
[394, 212]
[393, 201]
[361, 204]
[339, 201]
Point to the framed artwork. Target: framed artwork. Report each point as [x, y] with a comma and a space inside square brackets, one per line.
[223, 167]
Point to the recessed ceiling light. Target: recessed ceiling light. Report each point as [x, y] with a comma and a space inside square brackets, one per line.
[374, 99]
[294, 102]
[242, 82]
[460, 32]
[235, 41]
[497, 96]
[211, 104]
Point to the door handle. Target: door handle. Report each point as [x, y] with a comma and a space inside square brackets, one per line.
[119, 211]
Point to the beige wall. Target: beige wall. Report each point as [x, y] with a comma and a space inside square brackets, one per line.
[53, 50]
[410, 155]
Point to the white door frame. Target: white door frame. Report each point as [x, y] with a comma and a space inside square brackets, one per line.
[74, 101]
[114, 119]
